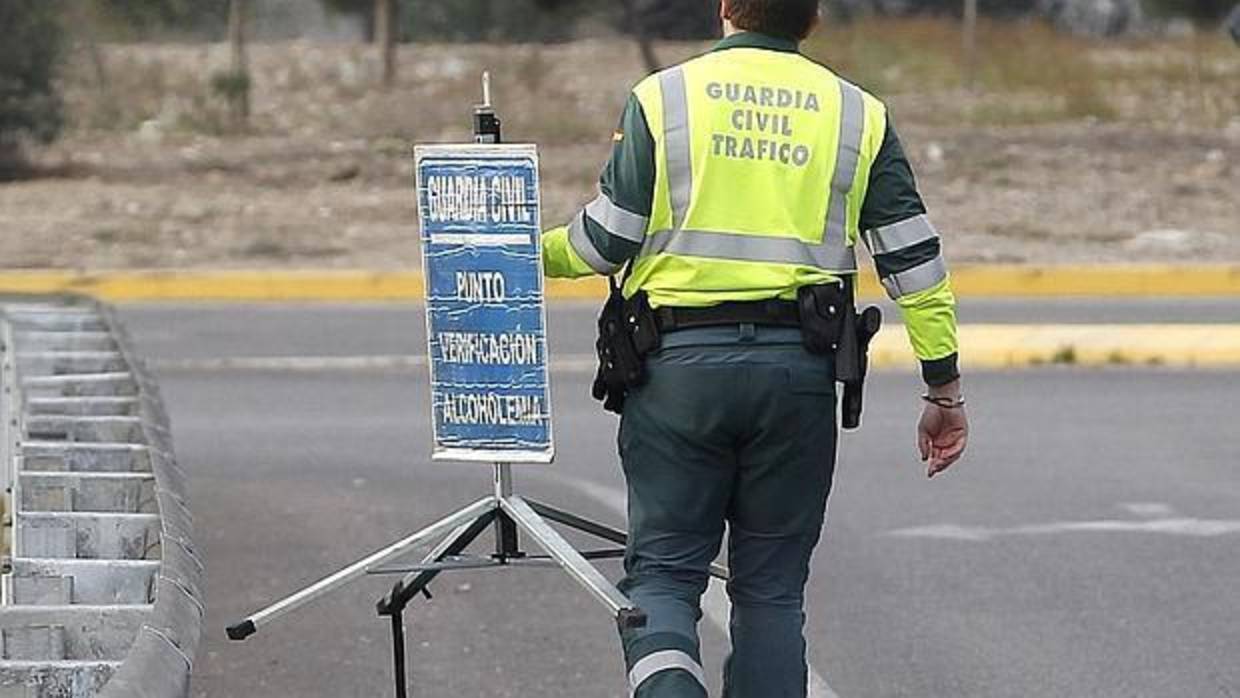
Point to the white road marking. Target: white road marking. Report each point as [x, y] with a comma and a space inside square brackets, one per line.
[715, 604]
[1152, 510]
[1159, 521]
[571, 363]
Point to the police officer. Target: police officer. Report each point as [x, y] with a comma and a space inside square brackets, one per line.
[738, 179]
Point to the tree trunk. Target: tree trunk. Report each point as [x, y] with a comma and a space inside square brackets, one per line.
[970, 43]
[385, 37]
[678, 19]
[644, 42]
[240, 60]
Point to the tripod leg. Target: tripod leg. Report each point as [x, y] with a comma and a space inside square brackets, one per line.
[602, 531]
[570, 560]
[398, 653]
[250, 625]
[595, 529]
[410, 586]
[507, 544]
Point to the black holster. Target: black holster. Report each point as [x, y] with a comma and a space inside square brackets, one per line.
[627, 333]
[830, 324]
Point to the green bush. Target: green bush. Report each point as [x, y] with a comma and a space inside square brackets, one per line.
[483, 20]
[29, 54]
[142, 19]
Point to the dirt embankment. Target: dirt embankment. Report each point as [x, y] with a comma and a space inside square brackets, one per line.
[150, 176]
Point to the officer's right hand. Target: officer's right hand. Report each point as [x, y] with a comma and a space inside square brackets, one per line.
[942, 433]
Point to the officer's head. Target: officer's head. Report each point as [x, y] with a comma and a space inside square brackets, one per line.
[787, 19]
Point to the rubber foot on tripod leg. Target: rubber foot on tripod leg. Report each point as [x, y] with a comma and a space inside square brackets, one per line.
[241, 630]
[631, 619]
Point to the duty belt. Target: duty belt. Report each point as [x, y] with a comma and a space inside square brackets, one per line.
[774, 312]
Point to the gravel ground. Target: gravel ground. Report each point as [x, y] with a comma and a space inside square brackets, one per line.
[150, 176]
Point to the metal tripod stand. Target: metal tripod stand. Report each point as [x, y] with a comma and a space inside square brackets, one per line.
[508, 515]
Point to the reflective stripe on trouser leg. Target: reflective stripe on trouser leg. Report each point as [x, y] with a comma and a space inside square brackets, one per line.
[847, 158]
[917, 279]
[677, 142]
[666, 660]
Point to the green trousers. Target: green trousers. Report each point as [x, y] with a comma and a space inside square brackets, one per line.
[735, 427]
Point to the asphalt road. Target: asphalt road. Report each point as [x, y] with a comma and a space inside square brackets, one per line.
[1086, 547]
[212, 331]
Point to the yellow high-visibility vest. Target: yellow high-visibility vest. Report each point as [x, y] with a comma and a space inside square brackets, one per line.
[762, 163]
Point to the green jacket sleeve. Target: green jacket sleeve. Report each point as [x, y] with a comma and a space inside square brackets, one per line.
[908, 256]
[610, 230]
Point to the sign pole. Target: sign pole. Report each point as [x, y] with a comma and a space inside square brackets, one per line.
[488, 130]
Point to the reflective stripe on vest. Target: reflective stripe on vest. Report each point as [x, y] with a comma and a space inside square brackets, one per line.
[751, 248]
[679, 142]
[847, 157]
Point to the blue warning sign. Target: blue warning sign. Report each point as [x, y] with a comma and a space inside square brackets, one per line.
[485, 310]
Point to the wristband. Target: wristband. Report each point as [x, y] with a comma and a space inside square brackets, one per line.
[946, 403]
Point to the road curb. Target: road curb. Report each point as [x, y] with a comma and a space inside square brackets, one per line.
[998, 347]
[266, 285]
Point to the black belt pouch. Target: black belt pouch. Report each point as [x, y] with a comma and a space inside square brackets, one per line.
[822, 310]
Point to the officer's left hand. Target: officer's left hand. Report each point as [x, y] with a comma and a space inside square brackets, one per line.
[942, 433]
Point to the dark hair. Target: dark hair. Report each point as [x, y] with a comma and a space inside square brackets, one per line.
[786, 19]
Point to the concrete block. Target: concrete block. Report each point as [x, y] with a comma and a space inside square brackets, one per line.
[56, 456]
[178, 615]
[91, 535]
[156, 668]
[80, 385]
[67, 679]
[35, 340]
[182, 565]
[116, 429]
[33, 642]
[43, 590]
[100, 405]
[74, 322]
[106, 582]
[129, 493]
[56, 539]
[94, 582]
[87, 632]
[61, 362]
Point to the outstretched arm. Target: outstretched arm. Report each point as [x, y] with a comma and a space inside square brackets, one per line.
[908, 256]
[610, 230]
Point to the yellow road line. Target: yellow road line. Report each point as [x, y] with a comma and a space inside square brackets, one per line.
[362, 285]
[1009, 346]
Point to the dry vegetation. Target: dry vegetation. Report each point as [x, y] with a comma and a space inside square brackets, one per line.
[1064, 151]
